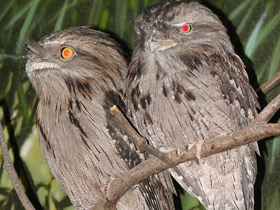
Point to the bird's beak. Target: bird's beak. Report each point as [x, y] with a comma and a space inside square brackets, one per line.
[35, 54]
[33, 47]
[159, 43]
[163, 45]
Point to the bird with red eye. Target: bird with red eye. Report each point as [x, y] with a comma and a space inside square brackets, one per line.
[67, 53]
[185, 28]
[191, 87]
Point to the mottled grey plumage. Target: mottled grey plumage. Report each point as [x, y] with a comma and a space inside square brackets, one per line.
[73, 118]
[187, 84]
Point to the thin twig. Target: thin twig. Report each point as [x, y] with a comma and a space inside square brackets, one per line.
[125, 126]
[270, 85]
[127, 129]
[268, 112]
[8, 165]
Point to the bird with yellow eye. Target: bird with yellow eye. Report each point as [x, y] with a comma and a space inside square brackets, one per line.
[67, 53]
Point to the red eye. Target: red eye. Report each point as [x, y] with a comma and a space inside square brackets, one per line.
[67, 53]
[185, 28]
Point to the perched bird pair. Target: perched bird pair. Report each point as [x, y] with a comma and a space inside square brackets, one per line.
[184, 84]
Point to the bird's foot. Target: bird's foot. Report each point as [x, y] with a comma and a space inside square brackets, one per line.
[198, 145]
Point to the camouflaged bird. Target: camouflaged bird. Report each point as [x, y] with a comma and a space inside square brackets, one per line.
[78, 74]
[185, 85]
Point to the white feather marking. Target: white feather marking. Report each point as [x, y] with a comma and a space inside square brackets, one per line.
[31, 66]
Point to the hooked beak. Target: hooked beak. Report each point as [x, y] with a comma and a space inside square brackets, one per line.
[35, 62]
[163, 45]
[33, 47]
[157, 43]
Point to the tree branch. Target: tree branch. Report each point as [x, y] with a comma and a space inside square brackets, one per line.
[8, 165]
[258, 129]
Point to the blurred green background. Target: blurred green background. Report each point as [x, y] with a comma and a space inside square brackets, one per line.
[254, 26]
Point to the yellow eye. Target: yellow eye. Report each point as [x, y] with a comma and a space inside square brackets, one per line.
[185, 28]
[67, 53]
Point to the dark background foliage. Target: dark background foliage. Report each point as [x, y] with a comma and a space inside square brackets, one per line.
[254, 26]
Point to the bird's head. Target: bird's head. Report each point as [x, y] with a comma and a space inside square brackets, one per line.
[75, 56]
[186, 24]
